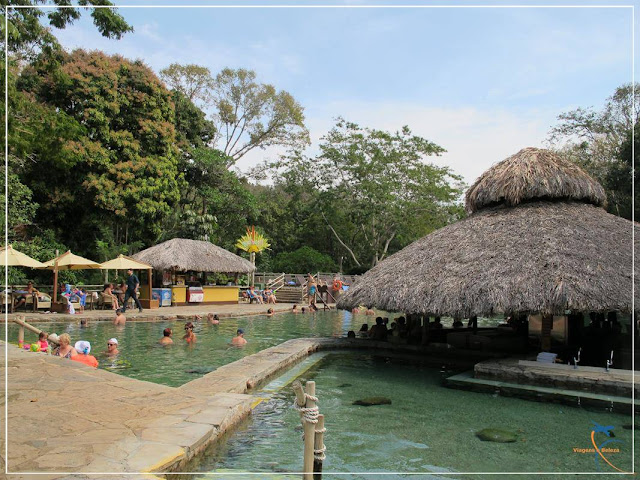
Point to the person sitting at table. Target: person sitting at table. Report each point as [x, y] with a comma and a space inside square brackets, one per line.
[122, 288]
[107, 291]
[22, 299]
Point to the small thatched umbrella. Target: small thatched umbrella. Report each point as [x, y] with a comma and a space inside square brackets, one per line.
[537, 240]
[183, 254]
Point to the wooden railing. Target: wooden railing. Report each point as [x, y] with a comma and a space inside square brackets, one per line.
[276, 283]
[22, 326]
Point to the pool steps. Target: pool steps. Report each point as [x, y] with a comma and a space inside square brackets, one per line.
[466, 381]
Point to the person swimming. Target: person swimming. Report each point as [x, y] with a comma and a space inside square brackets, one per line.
[213, 318]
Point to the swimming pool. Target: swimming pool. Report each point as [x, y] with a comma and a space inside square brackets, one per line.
[142, 358]
[427, 428]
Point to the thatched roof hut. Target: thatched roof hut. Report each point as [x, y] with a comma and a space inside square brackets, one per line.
[536, 240]
[183, 254]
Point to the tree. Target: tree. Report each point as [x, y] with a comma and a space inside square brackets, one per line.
[192, 81]
[112, 159]
[28, 36]
[376, 192]
[247, 114]
[600, 142]
[302, 260]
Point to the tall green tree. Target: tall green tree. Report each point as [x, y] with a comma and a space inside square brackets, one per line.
[600, 141]
[376, 192]
[113, 159]
[247, 114]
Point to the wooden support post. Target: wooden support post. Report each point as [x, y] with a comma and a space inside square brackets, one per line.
[317, 445]
[547, 325]
[24, 325]
[21, 333]
[309, 433]
[425, 331]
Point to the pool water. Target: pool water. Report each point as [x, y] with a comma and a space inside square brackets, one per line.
[142, 358]
[427, 428]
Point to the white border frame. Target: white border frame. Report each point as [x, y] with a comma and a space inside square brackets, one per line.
[6, 232]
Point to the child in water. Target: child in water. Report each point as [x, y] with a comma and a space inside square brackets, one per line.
[42, 342]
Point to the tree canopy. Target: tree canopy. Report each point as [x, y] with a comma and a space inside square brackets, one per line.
[600, 142]
[375, 188]
[109, 152]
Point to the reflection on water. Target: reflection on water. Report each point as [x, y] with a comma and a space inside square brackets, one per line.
[427, 428]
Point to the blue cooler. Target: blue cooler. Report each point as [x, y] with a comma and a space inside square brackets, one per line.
[163, 295]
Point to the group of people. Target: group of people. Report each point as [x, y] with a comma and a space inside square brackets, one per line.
[311, 308]
[265, 296]
[190, 336]
[402, 329]
[79, 352]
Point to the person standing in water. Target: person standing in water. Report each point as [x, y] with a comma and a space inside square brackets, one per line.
[239, 339]
[120, 318]
[189, 336]
[166, 339]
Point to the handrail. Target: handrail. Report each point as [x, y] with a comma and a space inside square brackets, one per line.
[31, 328]
[276, 283]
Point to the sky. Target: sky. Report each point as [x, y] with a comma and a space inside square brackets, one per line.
[480, 82]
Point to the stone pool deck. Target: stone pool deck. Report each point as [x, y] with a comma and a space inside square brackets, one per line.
[66, 417]
[157, 314]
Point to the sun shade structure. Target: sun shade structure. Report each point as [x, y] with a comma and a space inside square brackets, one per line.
[67, 261]
[183, 254]
[70, 261]
[122, 262]
[537, 240]
[13, 258]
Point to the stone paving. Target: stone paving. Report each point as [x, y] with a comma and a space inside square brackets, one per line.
[157, 314]
[66, 417]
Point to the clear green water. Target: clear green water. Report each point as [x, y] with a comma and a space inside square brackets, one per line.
[141, 357]
[427, 428]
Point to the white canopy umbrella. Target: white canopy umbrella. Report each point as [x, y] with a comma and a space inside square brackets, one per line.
[14, 258]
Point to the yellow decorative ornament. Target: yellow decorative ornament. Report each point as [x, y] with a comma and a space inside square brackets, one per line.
[252, 241]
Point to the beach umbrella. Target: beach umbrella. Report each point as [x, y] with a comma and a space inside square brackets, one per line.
[122, 262]
[13, 258]
[67, 261]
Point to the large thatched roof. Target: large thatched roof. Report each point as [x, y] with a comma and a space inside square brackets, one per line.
[541, 256]
[182, 254]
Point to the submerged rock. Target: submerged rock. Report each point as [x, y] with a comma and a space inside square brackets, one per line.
[497, 435]
[200, 371]
[367, 402]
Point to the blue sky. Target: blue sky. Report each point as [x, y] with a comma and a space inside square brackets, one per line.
[480, 82]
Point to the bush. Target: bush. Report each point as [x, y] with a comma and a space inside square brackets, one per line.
[303, 260]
